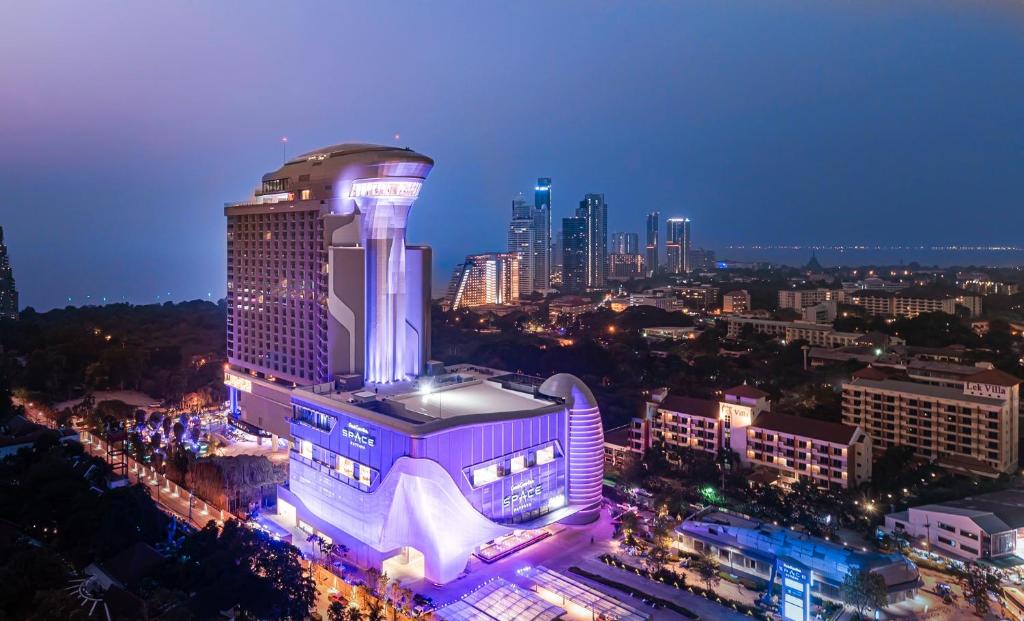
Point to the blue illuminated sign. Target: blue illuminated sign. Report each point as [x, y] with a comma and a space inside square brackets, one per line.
[796, 592]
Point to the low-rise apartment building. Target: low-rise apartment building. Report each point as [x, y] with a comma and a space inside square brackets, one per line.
[801, 449]
[909, 303]
[787, 448]
[816, 334]
[802, 298]
[736, 302]
[971, 429]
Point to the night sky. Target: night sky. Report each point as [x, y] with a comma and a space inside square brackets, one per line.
[125, 126]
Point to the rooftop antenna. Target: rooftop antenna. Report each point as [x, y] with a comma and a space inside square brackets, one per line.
[284, 149]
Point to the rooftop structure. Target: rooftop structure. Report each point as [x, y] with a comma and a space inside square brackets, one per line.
[977, 527]
[579, 598]
[499, 600]
[754, 547]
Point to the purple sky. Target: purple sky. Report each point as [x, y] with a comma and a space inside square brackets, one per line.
[125, 126]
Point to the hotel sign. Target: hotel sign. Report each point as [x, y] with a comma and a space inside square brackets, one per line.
[237, 382]
[991, 391]
[384, 188]
[358, 435]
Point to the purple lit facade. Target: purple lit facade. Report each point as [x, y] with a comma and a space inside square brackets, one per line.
[381, 477]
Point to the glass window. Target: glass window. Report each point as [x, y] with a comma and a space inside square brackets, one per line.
[364, 475]
[346, 467]
[306, 449]
[305, 195]
[518, 464]
[546, 455]
[485, 475]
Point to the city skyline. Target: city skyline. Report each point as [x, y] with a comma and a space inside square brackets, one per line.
[884, 123]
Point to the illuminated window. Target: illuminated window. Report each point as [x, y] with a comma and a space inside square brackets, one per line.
[364, 475]
[306, 449]
[546, 455]
[305, 195]
[518, 464]
[485, 475]
[346, 467]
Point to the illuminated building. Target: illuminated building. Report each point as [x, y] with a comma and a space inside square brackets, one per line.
[652, 248]
[320, 281]
[966, 424]
[625, 266]
[778, 447]
[485, 279]
[913, 302]
[401, 460]
[737, 302]
[677, 245]
[523, 235]
[574, 254]
[8, 292]
[594, 211]
[761, 550]
[625, 243]
[425, 473]
[543, 206]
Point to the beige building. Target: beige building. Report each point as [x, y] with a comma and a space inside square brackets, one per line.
[736, 302]
[907, 303]
[816, 334]
[485, 279]
[788, 448]
[802, 449]
[971, 429]
[802, 298]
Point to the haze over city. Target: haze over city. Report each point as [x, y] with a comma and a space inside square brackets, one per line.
[126, 129]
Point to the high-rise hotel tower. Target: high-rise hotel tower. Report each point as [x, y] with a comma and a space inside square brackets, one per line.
[321, 284]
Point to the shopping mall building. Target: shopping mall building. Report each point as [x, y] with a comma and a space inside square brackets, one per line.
[392, 455]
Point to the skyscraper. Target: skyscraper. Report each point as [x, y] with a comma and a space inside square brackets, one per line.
[677, 245]
[522, 240]
[574, 254]
[595, 211]
[542, 203]
[320, 281]
[485, 279]
[652, 242]
[625, 243]
[8, 292]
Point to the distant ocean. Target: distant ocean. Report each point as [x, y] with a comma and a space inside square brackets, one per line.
[832, 257]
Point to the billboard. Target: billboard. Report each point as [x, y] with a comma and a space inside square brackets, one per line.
[796, 591]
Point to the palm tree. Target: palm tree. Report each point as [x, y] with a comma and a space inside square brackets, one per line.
[352, 613]
[374, 612]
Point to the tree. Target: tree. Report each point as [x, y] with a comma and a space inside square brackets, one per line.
[862, 590]
[353, 614]
[706, 569]
[375, 612]
[974, 582]
[337, 612]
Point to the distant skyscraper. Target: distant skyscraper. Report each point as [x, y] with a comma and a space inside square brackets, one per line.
[677, 245]
[595, 211]
[542, 203]
[485, 279]
[625, 243]
[652, 242]
[574, 254]
[8, 292]
[522, 240]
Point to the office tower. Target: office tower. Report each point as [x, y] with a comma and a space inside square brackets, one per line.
[652, 242]
[702, 260]
[625, 243]
[625, 266]
[542, 203]
[595, 211]
[320, 281]
[483, 279]
[8, 292]
[677, 245]
[574, 254]
[522, 240]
